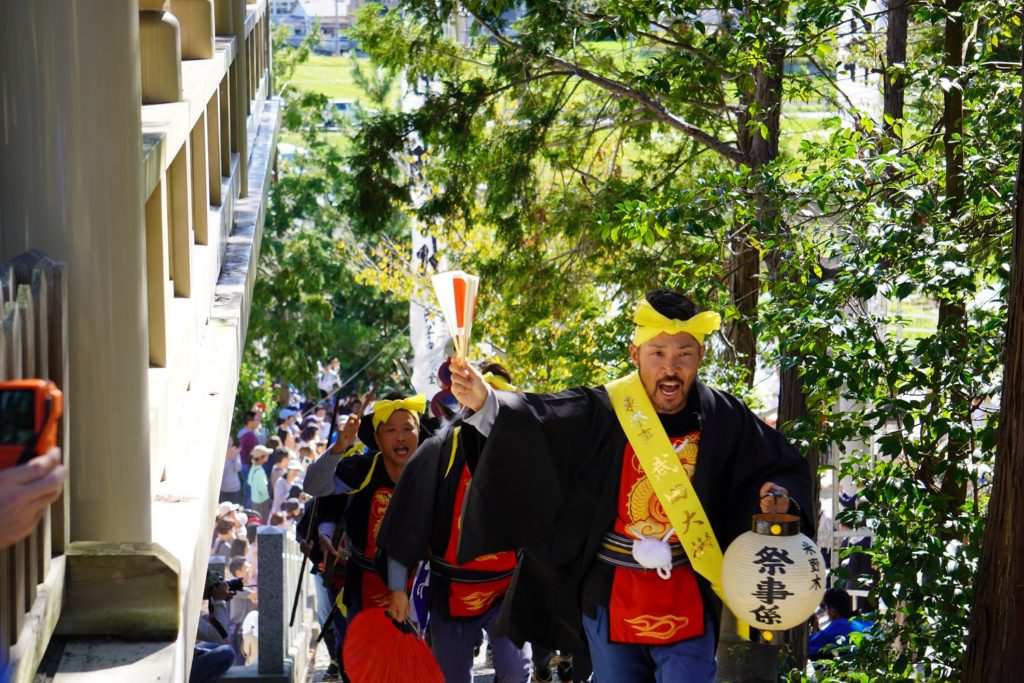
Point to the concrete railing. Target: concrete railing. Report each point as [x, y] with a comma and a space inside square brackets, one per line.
[33, 344]
[196, 168]
[161, 241]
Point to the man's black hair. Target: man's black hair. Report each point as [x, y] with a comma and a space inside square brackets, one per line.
[249, 416]
[671, 304]
[238, 547]
[236, 564]
[839, 600]
[496, 369]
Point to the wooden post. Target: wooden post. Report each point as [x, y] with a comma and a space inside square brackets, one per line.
[39, 323]
[25, 312]
[46, 276]
[158, 279]
[30, 313]
[200, 185]
[240, 106]
[213, 153]
[225, 125]
[179, 226]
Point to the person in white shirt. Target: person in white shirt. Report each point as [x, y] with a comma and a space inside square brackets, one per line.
[283, 486]
[328, 378]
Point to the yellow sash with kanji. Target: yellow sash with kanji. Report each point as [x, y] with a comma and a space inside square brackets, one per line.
[669, 480]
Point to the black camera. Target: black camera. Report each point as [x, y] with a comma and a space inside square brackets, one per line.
[234, 585]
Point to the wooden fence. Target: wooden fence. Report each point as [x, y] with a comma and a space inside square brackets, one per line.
[33, 344]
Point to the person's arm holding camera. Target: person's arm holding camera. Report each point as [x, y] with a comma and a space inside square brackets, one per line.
[25, 493]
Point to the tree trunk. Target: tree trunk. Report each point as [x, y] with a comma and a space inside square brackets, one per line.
[953, 110]
[952, 312]
[760, 142]
[744, 288]
[998, 613]
[793, 406]
[792, 398]
[895, 54]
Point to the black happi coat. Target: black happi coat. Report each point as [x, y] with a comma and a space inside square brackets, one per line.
[323, 509]
[548, 481]
[418, 522]
[366, 474]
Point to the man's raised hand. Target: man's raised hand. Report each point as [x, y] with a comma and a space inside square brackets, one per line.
[468, 384]
[346, 435]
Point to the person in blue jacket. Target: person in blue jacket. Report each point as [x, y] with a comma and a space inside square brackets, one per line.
[835, 638]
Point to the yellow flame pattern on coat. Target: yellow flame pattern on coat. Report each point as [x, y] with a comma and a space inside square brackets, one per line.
[659, 628]
[379, 505]
[479, 600]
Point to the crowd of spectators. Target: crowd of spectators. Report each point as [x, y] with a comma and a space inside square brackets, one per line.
[261, 484]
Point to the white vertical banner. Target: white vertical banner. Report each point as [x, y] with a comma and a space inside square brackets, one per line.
[427, 330]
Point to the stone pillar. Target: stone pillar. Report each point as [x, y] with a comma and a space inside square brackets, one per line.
[272, 634]
[70, 186]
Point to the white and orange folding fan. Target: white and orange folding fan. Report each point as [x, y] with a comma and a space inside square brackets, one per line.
[456, 292]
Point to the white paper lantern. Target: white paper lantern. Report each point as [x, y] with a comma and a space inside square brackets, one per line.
[773, 577]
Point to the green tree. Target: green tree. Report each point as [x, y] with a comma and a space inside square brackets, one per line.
[546, 127]
[916, 217]
[309, 304]
[999, 600]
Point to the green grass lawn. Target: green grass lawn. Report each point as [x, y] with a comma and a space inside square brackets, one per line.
[331, 76]
[797, 126]
[919, 315]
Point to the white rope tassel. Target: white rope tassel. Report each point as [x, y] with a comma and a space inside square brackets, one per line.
[654, 553]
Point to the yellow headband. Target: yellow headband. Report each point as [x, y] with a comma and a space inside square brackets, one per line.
[650, 323]
[499, 382]
[383, 410]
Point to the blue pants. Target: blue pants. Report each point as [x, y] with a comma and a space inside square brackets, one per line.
[324, 599]
[210, 662]
[334, 631]
[453, 641]
[243, 475]
[689, 661]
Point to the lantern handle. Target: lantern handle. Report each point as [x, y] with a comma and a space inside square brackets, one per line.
[776, 494]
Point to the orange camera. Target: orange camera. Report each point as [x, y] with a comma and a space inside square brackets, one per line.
[30, 411]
